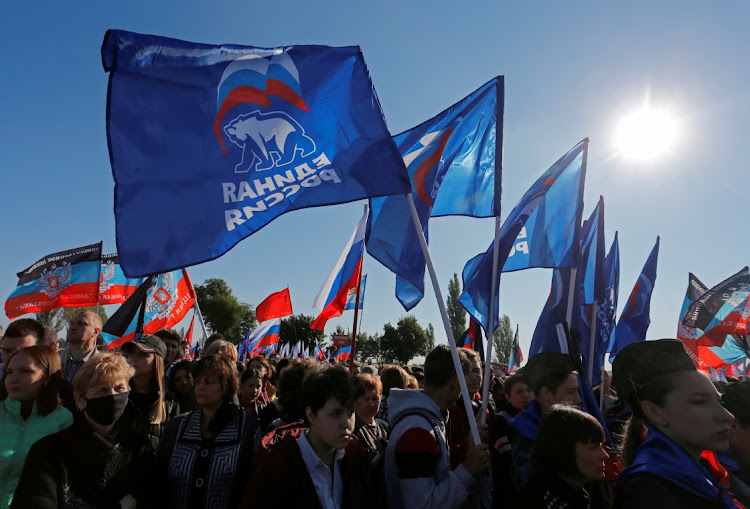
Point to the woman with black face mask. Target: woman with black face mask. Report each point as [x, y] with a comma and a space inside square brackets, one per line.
[102, 459]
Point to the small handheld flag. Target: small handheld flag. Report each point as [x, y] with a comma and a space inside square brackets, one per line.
[516, 355]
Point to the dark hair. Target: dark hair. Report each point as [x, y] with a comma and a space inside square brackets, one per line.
[655, 391]
[265, 365]
[226, 372]
[182, 365]
[290, 389]
[25, 327]
[251, 373]
[169, 334]
[224, 369]
[551, 380]
[563, 427]
[438, 366]
[48, 361]
[322, 384]
[393, 376]
[512, 380]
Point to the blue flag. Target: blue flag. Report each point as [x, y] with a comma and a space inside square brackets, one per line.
[454, 163]
[590, 278]
[555, 310]
[208, 144]
[606, 310]
[351, 298]
[477, 273]
[635, 317]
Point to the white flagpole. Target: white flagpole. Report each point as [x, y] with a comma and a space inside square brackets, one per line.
[490, 326]
[200, 319]
[446, 322]
[571, 295]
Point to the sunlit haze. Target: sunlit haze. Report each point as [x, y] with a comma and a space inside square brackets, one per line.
[646, 134]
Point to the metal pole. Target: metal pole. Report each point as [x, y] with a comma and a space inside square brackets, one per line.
[446, 322]
[490, 326]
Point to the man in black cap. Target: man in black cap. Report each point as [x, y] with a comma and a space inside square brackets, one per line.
[550, 375]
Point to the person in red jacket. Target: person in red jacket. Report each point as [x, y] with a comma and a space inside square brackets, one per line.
[317, 463]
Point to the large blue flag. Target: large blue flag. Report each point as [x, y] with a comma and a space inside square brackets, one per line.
[477, 273]
[590, 285]
[454, 163]
[635, 317]
[208, 144]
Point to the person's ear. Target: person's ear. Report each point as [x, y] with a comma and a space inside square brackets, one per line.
[309, 414]
[653, 412]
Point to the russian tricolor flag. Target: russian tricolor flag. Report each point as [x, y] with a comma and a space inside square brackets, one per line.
[342, 354]
[331, 299]
[265, 335]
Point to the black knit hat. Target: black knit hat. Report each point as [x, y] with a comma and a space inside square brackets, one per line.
[545, 363]
[643, 361]
[737, 400]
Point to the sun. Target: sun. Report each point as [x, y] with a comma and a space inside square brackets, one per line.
[646, 134]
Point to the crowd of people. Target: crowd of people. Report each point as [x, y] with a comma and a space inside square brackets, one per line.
[144, 426]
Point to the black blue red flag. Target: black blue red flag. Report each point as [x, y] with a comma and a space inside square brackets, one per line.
[703, 355]
[208, 143]
[114, 286]
[160, 303]
[65, 279]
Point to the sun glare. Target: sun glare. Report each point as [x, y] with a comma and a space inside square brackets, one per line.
[646, 134]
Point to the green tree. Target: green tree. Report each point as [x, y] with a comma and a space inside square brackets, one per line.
[59, 318]
[503, 341]
[368, 347]
[456, 312]
[403, 342]
[222, 311]
[430, 331]
[297, 327]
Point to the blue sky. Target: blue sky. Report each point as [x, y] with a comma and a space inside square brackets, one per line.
[572, 69]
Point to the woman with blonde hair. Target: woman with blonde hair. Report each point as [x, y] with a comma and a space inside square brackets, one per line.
[29, 410]
[154, 405]
[102, 460]
[221, 347]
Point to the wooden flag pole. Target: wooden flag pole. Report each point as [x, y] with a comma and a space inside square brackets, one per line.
[446, 322]
[490, 326]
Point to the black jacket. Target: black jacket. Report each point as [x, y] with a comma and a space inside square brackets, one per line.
[78, 468]
[551, 492]
[649, 491]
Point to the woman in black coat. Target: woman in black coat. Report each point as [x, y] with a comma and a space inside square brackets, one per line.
[102, 460]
